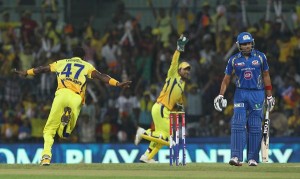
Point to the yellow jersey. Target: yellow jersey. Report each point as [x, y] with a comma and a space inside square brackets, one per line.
[72, 74]
[173, 89]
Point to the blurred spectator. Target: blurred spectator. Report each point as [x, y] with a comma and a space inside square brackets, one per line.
[8, 29]
[87, 129]
[184, 19]
[120, 16]
[234, 18]
[90, 53]
[163, 61]
[27, 57]
[127, 129]
[294, 122]
[28, 28]
[97, 43]
[106, 131]
[145, 117]
[10, 129]
[290, 96]
[143, 63]
[127, 37]
[219, 20]
[50, 4]
[224, 40]
[12, 92]
[127, 105]
[89, 108]
[279, 124]
[8, 59]
[194, 108]
[286, 48]
[37, 122]
[111, 52]
[164, 24]
[25, 131]
[153, 92]
[203, 18]
[207, 54]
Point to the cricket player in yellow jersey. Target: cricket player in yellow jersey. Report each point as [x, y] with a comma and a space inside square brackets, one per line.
[170, 96]
[72, 77]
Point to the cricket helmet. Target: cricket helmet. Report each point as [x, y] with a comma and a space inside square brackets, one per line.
[244, 37]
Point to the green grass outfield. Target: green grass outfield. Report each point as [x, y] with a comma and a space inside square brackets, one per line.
[141, 170]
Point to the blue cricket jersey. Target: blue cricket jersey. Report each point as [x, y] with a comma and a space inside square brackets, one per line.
[248, 72]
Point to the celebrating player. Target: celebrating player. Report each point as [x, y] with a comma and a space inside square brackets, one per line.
[250, 67]
[72, 77]
[169, 98]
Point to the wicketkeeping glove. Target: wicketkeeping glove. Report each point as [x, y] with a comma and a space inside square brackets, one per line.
[270, 103]
[179, 107]
[220, 102]
[181, 42]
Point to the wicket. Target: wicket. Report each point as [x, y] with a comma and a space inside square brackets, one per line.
[174, 149]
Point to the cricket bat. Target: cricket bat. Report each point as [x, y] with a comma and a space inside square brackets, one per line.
[265, 138]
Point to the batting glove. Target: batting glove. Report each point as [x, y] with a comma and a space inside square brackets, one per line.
[270, 103]
[220, 102]
[181, 42]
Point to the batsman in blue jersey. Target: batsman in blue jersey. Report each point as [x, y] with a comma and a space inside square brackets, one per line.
[251, 70]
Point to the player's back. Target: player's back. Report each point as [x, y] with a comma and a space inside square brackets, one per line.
[72, 73]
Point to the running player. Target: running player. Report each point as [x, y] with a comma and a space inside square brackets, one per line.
[72, 77]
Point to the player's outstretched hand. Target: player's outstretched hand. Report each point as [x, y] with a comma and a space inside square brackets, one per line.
[20, 73]
[181, 42]
[125, 84]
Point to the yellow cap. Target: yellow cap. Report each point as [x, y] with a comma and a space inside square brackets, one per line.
[184, 65]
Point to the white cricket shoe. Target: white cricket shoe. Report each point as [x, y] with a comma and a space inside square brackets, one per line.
[252, 163]
[138, 136]
[235, 161]
[144, 159]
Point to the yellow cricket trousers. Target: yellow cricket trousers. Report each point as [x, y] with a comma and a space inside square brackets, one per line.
[160, 115]
[63, 98]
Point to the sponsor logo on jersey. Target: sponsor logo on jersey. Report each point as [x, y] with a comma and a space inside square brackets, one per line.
[238, 105]
[248, 75]
[247, 69]
[255, 62]
[241, 64]
[257, 107]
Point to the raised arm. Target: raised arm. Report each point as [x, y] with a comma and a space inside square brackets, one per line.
[109, 80]
[33, 71]
[181, 42]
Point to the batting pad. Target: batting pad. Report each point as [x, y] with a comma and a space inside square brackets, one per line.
[254, 140]
[238, 134]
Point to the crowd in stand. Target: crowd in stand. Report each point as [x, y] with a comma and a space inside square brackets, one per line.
[142, 55]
